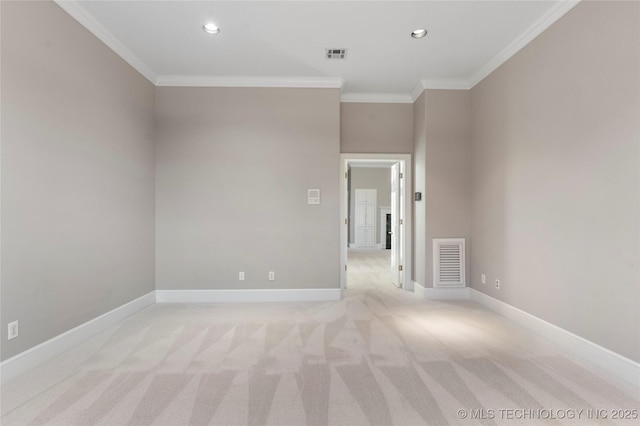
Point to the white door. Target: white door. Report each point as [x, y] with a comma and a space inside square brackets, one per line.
[395, 212]
[365, 218]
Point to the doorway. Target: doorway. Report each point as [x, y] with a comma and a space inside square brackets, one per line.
[400, 220]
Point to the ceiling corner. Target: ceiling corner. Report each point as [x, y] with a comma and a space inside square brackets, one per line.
[77, 12]
[417, 91]
[553, 14]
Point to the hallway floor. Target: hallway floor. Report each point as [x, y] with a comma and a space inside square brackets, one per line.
[369, 270]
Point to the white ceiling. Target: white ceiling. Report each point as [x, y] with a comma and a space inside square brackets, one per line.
[282, 43]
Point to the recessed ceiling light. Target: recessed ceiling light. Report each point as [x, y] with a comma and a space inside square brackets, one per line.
[418, 33]
[211, 28]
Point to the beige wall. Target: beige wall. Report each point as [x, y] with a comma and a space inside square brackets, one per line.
[369, 178]
[442, 164]
[553, 188]
[447, 191]
[556, 176]
[376, 128]
[233, 169]
[77, 176]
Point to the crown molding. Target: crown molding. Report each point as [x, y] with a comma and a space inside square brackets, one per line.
[417, 91]
[383, 98]
[438, 84]
[545, 21]
[77, 12]
[231, 81]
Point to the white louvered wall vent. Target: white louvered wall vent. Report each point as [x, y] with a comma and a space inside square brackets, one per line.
[336, 53]
[448, 262]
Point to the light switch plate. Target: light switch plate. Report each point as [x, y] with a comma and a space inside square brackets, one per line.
[313, 196]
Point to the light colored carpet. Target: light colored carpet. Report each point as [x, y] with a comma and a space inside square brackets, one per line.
[379, 356]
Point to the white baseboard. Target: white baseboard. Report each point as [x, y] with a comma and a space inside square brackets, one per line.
[611, 362]
[418, 288]
[615, 364]
[352, 245]
[429, 293]
[461, 293]
[18, 364]
[248, 296]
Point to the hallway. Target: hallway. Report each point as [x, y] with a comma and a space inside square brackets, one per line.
[369, 270]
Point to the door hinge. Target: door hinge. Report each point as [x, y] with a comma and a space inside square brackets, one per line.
[400, 221]
[345, 268]
[346, 175]
[346, 221]
[401, 175]
[400, 268]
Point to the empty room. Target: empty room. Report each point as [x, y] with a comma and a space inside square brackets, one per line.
[319, 212]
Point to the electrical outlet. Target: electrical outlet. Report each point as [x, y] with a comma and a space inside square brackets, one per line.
[498, 284]
[241, 276]
[272, 275]
[12, 331]
[483, 279]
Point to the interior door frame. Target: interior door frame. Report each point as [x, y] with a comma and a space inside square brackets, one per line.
[406, 233]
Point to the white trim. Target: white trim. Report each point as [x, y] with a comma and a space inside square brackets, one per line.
[418, 288]
[615, 364]
[447, 293]
[545, 21]
[374, 164]
[383, 98]
[80, 14]
[248, 295]
[417, 91]
[352, 245]
[18, 364]
[438, 84]
[556, 12]
[239, 81]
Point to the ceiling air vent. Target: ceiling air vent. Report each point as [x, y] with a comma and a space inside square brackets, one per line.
[336, 53]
